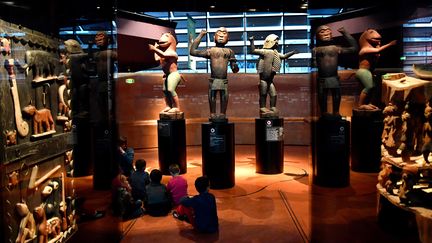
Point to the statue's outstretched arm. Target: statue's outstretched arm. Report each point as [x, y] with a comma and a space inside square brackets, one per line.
[289, 54]
[195, 43]
[353, 47]
[376, 49]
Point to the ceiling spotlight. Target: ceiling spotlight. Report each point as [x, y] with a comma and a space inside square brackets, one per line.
[252, 10]
[212, 6]
[98, 7]
[304, 6]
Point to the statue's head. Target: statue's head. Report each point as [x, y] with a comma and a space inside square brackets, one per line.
[167, 40]
[73, 47]
[324, 33]
[221, 36]
[101, 39]
[271, 42]
[370, 37]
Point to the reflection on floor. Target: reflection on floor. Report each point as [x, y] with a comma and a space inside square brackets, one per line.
[259, 208]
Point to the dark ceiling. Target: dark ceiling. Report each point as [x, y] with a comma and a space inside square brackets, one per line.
[48, 16]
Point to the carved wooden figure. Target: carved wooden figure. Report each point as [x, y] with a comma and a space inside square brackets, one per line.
[268, 65]
[165, 52]
[27, 226]
[384, 176]
[10, 137]
[22, 126]
[42, 64]
[220, 56]
[326, 56]
[42, 226]
[427, 133]
[5, 46]
[13, 179]
[42, 119]
[370, 49]
[54, 227]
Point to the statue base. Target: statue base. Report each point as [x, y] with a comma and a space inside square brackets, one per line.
[218, 154]
[330, 152]
[172, 145]
[269, 145]
[367, 128]
[218, 118]
[269, 113]
[171, 115]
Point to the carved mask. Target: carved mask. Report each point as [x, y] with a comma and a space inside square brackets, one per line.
[271, 42]
[221, 36]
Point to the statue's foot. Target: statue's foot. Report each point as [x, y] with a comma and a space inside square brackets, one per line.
[214, 116]
[274, 109]
[166, 109]
[264, 110]
[368, 107]
[174, 110]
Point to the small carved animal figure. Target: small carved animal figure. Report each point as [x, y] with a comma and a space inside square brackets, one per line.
[10, 137]
[41, 63]
[42, 119]
[27, 227]
[54, 228]
[384, 175]
[42, 226]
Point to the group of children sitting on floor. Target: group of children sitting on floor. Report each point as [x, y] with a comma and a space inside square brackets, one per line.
[143, 193]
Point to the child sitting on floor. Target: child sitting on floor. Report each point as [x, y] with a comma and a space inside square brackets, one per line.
[158, 201]
[205, 218]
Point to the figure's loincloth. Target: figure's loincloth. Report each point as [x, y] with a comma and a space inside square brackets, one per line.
[218, 84]
[329, 82]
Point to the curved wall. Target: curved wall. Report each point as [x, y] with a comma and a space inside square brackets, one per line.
[138, 105]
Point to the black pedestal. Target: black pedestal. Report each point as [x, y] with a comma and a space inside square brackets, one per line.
[366, 131]
[172, 144]
[269, 145]
[81, 132]
[218, 154]
[105, 166]
[330, 154]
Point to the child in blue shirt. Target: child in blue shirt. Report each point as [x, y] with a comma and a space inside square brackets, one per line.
[204, 206]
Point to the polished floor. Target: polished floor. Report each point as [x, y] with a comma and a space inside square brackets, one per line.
[284, 207]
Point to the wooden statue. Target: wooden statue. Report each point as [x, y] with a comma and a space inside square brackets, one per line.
[219, 56]
[165, 52]
[268, 65]
[325, 56]
[370, 49]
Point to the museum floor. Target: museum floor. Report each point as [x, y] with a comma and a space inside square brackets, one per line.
[259, 208]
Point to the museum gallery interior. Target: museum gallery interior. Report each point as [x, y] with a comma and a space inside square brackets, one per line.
[300, 121]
